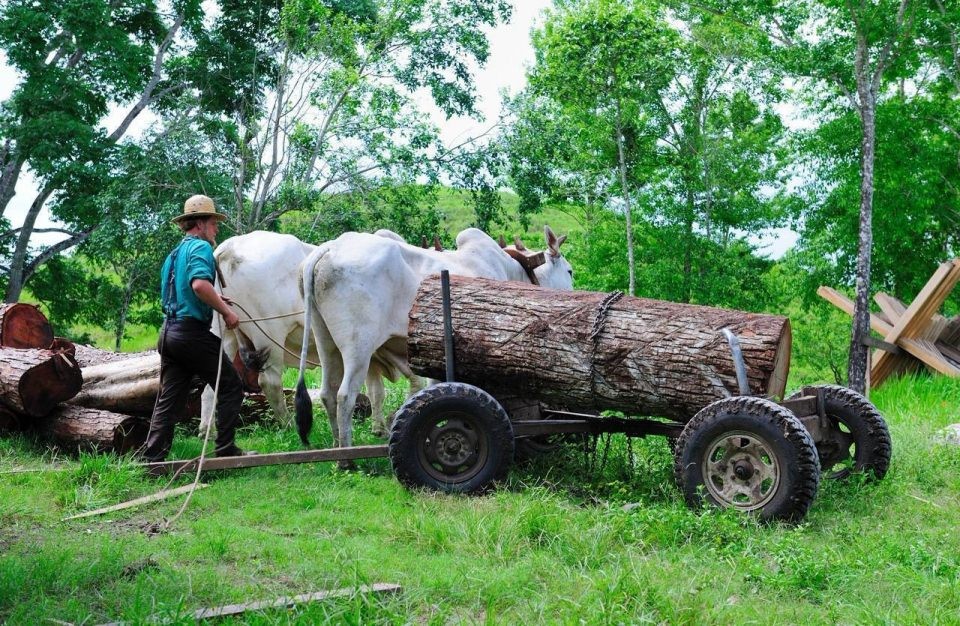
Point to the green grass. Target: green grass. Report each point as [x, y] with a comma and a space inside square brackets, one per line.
[554, 545]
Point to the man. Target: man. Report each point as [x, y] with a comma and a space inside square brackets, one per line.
[186, 345]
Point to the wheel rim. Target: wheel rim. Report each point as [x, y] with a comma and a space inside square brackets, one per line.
[838, 452]
[451, 447]
[741, 471]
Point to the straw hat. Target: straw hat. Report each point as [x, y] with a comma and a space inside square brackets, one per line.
[199, 207]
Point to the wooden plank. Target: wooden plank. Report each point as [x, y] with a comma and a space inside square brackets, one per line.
[278, 458]
[924, 300]
[931, 305]
[154, 497]
[927, 352]
[845, 304]
[916, 318]
[892, 307]
[287, 602]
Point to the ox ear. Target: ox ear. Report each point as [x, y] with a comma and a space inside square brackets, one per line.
[436, 244]
[502, 242]
[553, 242]
[519, 244]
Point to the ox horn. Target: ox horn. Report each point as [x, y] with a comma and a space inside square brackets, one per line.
[519, 244]
[502, 242]
[423, 241]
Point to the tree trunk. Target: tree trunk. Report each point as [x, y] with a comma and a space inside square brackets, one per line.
[24, 326]
[32, 382]
[92, 429]
[622, 160]
[592, 351]
[858, 361]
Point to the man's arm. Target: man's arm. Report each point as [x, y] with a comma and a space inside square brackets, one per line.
[209, 296]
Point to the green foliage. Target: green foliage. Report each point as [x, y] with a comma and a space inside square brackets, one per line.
[916, 202]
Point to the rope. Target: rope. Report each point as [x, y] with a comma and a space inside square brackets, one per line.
[250, 318]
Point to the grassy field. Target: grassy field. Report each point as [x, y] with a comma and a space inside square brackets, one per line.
[554, 545]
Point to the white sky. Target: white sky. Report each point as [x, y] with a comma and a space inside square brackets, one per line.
[510, 56]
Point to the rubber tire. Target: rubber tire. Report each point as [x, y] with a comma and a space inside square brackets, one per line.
[423, 410]
[778, 427]
[870, 433]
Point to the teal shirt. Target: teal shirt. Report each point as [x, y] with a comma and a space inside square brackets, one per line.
[194, 260]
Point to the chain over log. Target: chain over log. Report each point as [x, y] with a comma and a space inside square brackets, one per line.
[589, 351]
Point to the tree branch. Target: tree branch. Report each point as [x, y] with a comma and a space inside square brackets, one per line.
[885, 53]
[147, 97]
[53, 251]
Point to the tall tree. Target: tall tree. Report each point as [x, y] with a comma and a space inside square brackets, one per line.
[77, 59]
[341, 116]
[853, 50]
[720, 150]
[608, 58]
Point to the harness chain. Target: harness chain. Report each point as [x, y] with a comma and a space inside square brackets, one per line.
[602, 309]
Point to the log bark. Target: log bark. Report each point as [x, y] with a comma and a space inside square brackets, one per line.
[89, 355]
[9, 421]
[92, 429]
[125, 385]
[24, 326]
[32, 382]
[587, 351]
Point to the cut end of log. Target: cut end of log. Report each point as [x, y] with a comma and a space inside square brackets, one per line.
[777, 384]
[24, 326]
[45, 386]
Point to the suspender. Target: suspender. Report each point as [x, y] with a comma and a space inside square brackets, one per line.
[170, 302]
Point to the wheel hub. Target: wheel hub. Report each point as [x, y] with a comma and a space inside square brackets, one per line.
[453, 448]
[741, 470]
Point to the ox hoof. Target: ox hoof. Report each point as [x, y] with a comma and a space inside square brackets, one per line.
[362, 409]
[346, 466]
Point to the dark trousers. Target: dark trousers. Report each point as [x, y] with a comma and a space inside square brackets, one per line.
[188, 348]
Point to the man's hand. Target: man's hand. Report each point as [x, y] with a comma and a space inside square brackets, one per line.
[230, 319]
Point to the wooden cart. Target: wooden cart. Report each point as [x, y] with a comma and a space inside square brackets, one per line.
[739, 448]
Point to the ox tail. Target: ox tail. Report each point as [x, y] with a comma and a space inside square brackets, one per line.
[301, 399]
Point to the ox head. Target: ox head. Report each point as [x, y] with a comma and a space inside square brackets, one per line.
[551, 268]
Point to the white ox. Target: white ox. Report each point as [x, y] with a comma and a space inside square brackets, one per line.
[261, 273]
[359, 289]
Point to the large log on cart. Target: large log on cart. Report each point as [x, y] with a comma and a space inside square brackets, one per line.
[587, 351]
[24, 326]
[32, 382]
[93, 429]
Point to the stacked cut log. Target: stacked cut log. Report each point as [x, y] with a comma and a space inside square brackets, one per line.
[40, 372]
[588, 351]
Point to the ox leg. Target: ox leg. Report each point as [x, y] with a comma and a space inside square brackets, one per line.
[377, 393]
[331, 364]
[353, 377]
